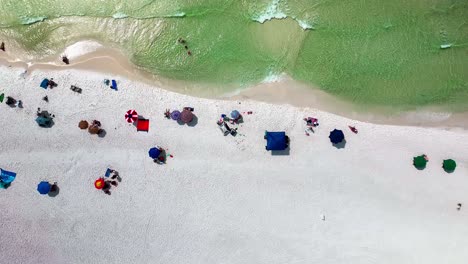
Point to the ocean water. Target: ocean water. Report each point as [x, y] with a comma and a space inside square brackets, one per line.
[376, 52]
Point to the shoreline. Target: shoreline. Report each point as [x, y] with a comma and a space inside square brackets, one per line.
[287, 91]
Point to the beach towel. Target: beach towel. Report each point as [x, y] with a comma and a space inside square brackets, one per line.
[108, 172]
[2, 96]
[7, 177]
[45, 83]
[114, 85]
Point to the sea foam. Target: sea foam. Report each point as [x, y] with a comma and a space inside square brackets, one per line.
[32, 20]
[273, 12]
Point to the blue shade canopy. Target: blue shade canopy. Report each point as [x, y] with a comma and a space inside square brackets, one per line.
[276, 140]
[6, 177]
[44, 187]
[235, 114]
[114, 85]
[336, 136]
[154, 153]
[45, 83]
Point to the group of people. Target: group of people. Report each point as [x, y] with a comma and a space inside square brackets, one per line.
[111, 179]
[184, 43]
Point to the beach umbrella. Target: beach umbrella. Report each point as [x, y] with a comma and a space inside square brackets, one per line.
[83, 124]
[175, 115]
[99, 183]
[420, 162]
[94, 129]
[154, 153]
[336, 136]
[449, 165]
[131, 116]
[44, 187]
[235, 114]
[186, 116]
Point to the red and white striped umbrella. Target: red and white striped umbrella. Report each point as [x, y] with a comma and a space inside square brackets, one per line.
[131, 116]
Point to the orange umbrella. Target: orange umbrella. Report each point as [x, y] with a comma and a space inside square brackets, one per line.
[99, 183]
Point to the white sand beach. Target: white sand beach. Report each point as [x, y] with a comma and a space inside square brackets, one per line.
[220, 199]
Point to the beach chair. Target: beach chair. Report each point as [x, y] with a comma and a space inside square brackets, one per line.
[76, 89]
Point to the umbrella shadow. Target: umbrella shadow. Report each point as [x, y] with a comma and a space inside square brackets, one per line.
[102, 133]
[285, 152]
[340, 145]
[192, 123]
[54, 191]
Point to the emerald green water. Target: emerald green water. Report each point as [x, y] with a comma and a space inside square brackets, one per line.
[370, 52]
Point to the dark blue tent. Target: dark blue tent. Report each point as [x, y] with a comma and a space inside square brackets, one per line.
[45, 83]
[6, 177]
[44, 121]
[114, 85]
[336, 136]
[276, 140]
[154, 153]
[44, 187]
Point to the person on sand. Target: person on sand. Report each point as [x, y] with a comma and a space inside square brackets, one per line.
[2, 46]
[167, 114]
[65, 60]
[459, 206]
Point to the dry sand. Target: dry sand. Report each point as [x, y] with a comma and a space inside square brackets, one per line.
[220, 199]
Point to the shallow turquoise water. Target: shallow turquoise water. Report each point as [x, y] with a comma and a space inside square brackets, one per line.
[375, 52]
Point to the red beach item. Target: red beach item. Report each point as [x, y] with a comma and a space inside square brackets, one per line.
[99, 183]
[353, 129]
[131, 116]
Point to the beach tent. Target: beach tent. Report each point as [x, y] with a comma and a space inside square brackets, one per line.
[154, 153]
[276, 140]
[420, 162]
[44, 187]
[6, 177]
[235, 114]
[45, 83]
[336, 136]
[131, 116]
[143, 124]
[186, 116]
[449, 165]
[114, 85]
[175, 115]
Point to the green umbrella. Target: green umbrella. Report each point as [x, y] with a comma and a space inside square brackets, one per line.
[420, 162]
[449, 165]
[1, 97]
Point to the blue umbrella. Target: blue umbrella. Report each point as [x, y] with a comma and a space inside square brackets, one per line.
[336, 136]
[154, 153]
[44, 187]
[235, 114]
[175, 115]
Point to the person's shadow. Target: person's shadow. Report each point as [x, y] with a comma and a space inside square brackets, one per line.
[54, 191]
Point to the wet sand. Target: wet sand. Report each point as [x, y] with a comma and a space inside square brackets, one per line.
[285, 91]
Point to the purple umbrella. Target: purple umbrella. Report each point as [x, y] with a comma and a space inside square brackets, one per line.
[175, 115]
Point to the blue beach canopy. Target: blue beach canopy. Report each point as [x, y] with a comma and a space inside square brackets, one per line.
[235, 114]
[44, 187]
[45, 83]
[154, 153]
[336, 136]
[7, 177]
[276, 140]
[114, 85]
